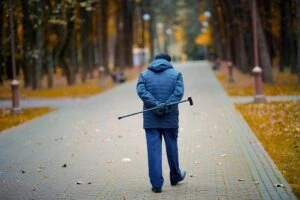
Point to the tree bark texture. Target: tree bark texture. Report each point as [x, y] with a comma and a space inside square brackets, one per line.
[264, 54]
[68, 33]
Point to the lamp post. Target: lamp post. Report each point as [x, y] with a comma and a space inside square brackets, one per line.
[14, 83]
[259, 97]
[145, 26]
[230, 71]
[169, 33]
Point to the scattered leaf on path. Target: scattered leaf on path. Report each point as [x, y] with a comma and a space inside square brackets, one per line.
[126, 160]
[278, 185]
[79, 182]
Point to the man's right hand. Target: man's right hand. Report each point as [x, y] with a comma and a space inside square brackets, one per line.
[160, 109]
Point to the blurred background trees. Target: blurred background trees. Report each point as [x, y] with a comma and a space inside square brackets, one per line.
[76, 38]
[276, 31]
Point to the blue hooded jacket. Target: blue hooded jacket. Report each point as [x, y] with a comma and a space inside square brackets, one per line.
[160, 83]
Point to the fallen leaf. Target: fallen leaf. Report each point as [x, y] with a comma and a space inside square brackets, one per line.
[278, 185]
[126, 160]
[256, 182]
[79, 182]
[223, 155]
[219, 163]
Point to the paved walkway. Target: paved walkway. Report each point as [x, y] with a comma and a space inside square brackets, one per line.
[83, 152]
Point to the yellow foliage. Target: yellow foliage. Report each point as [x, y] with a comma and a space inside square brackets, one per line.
[179, 35]
[202, 18]
[204, 38]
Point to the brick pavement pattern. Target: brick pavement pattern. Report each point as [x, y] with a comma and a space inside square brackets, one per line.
[83, 152]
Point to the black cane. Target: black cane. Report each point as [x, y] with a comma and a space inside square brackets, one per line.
[189, 99]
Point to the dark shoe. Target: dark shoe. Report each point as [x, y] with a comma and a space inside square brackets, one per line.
[183, 173]
[156, 190]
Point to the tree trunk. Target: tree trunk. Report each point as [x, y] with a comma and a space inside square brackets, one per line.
[215, 29]
[1, 53]
[285, 35]
[298, 39]
[120, 43]
[84, 43]
[103, 34]
[128, 33]
[27, 44]
[38, 49]
[48, 47]
[68, 33]
[238, 35]
[293, 40]
[225, 30]
[264, 55]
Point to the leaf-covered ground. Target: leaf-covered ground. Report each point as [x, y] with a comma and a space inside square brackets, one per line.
[285, 83]
[7, 120]
[277, 126]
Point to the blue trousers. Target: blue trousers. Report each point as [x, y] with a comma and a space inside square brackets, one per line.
[154, 149]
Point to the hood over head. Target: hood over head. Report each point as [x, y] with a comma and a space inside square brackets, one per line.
[159, 65]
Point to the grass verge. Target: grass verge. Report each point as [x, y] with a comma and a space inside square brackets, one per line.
[7, 120]
[277, 126]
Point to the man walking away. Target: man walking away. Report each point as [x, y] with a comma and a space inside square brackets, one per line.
[158, 86]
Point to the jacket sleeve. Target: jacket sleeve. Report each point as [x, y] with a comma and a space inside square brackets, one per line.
[178, 91]
[144, 94]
